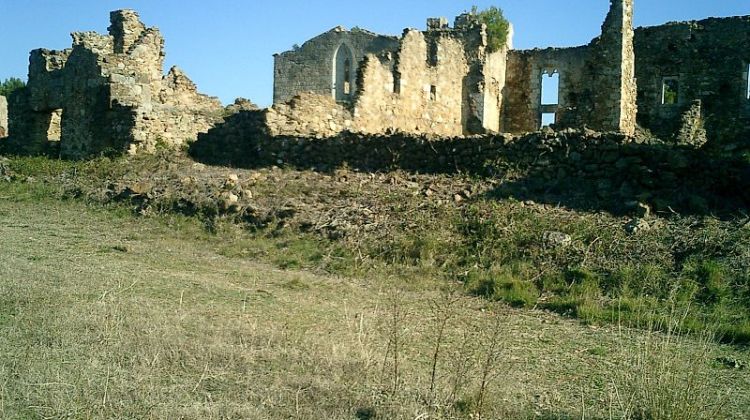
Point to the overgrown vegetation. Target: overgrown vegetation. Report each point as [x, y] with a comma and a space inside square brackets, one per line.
[10, 85]
[105, 314]
[444, 228]
[498, 27]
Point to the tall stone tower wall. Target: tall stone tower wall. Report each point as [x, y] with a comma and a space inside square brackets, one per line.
[612, 67]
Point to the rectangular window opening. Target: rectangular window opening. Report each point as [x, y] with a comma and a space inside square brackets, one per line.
[551, 88]
[433, 93]
[670, 92]
[54, 131]
[548, 118]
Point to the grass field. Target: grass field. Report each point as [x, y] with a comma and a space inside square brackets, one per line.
[107, 315]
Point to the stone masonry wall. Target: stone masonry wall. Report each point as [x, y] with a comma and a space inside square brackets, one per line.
[597, 84]
[3, 117]
[108, 93]
[310, 68]
[709, 59]
[309, 115]
[612, 72]
[610, 167]
[424, 97]
[439, 82]
[523, 94]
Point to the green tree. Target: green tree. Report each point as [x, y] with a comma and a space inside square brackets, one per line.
[8, 86]
[497, 26]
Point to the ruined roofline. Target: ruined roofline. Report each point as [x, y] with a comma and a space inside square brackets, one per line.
[462, 23]
[338, 29]
[706, 21]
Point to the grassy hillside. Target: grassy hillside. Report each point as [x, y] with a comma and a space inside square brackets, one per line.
[601, 268]
[104, 314]
[352, 295]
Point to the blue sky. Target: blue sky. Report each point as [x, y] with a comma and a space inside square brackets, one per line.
[226, 46]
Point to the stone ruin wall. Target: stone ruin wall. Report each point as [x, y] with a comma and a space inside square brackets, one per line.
[108, 92]
[3, 117]
[710, 59]
[444, 82]
[438, 82]
[413, 92]
[612, 72]
[303, 70]
[523, 95]
[308, 115]
[596, 85]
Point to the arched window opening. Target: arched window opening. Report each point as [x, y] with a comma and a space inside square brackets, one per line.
[343, 74]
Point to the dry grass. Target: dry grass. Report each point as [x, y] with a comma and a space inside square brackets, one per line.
[105, 315]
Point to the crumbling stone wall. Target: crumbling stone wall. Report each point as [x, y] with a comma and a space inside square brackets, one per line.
[309, 115]
[597, 83]
[709, 59]
[523, 95]
[3, 116]
[612, 72]
[611, 167]
[108, 92]
[441, 82]
[411, 94]
[311, 67]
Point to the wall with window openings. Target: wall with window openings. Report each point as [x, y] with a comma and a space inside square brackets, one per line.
[327, 64]
[442, 81]
[707, 60]
[595, 83]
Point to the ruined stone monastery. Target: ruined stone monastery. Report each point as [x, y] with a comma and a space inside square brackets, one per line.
[686, 80]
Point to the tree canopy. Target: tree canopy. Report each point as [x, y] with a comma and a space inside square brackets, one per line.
[497, 26]
[8, 86]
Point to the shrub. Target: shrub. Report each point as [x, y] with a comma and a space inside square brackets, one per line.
[498, 27]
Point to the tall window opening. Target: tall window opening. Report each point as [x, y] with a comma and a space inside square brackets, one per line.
[433, 93]
[550, 96]
[747, 81]
[347, 77]
[670, 90]
[551, 88]
[343, 74]
[54, 130]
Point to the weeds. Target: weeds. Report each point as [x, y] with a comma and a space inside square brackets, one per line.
[666, 375]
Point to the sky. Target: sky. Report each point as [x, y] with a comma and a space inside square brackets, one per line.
[227, 46]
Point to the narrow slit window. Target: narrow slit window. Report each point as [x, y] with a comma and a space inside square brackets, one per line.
[747, 81]
[670, 92]
[347, 77]
[433, 93]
